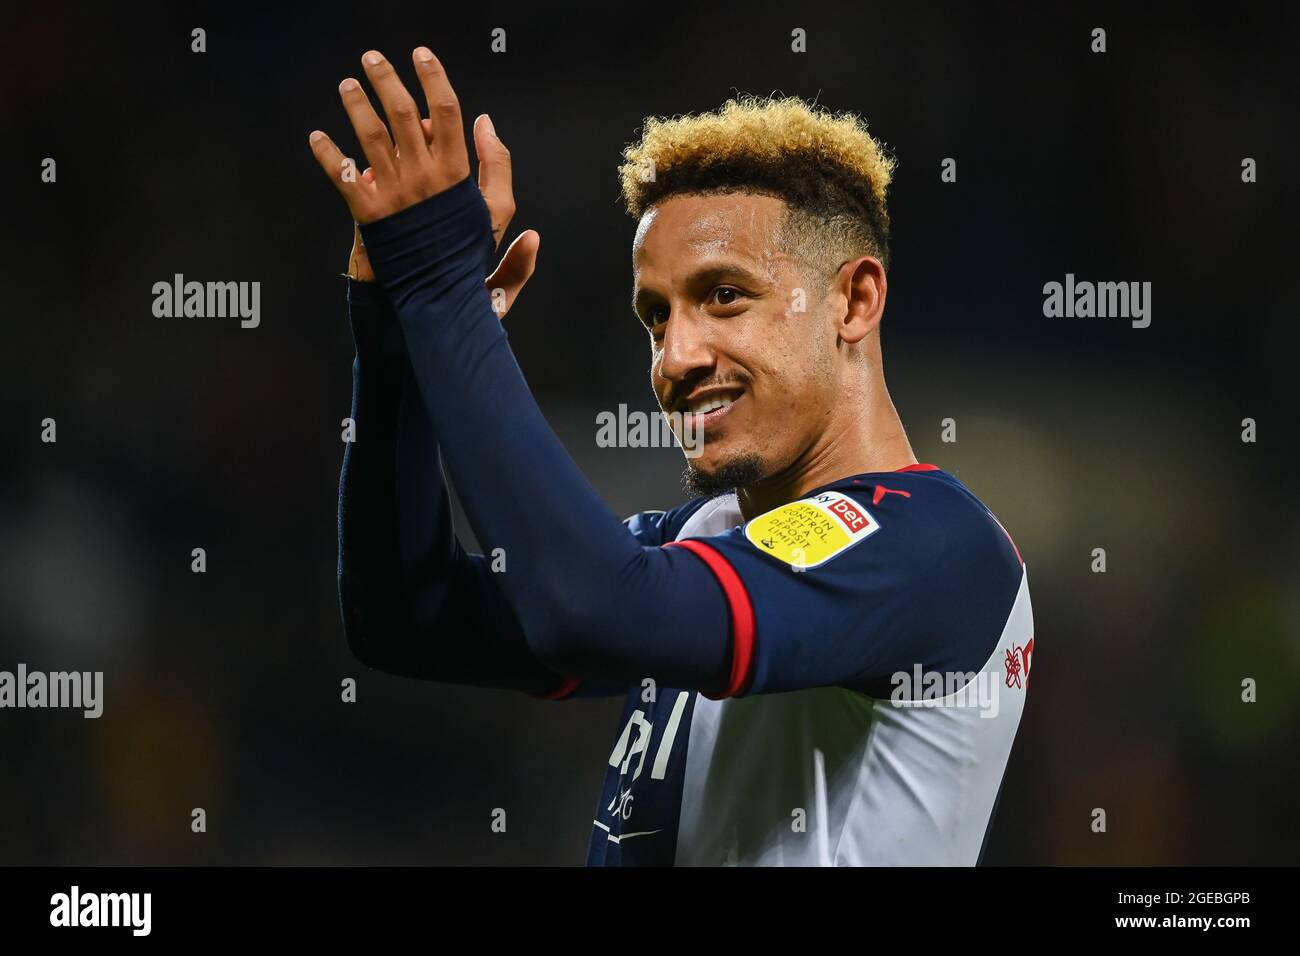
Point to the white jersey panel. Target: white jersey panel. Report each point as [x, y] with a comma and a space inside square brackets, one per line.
[830, 776]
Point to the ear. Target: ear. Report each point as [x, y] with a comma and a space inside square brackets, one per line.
[862, 283]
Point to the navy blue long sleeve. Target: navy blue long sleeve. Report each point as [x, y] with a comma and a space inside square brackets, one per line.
[590, 599]
[414, 602]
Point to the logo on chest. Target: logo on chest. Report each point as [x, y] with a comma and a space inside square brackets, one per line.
[634, 745]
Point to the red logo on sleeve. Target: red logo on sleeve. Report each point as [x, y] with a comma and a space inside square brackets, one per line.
[881, 491]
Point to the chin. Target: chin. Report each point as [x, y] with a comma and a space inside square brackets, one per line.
[714, 473]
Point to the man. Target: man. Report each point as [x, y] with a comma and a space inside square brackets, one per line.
[824, 654]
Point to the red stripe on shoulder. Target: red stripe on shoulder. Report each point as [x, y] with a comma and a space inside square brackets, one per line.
[566, 689]
[742, 613]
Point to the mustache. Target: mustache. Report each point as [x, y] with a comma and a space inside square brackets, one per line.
[688, 385]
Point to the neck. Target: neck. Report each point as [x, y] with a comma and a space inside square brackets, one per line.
[867, 437]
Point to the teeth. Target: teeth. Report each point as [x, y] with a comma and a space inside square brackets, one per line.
[708, 405]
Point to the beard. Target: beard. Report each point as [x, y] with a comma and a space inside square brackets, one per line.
[738, 473]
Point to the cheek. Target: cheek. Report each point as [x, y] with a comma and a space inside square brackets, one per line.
[781, 357]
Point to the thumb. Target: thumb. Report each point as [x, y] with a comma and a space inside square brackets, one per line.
[515, 269]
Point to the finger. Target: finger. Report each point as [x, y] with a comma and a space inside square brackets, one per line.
[444, 108]
[371, 133]
[369, 174]
[516, 268]
[399, 107]
[335, 165]
[494, 175]
[427, 126]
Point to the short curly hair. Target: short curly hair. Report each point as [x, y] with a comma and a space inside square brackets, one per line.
[831, 173]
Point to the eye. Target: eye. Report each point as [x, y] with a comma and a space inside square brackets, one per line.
[726, 295]
[654, 320]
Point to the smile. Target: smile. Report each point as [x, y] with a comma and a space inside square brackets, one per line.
[707, 410]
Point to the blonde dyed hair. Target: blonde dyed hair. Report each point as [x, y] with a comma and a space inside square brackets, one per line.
[832, 174]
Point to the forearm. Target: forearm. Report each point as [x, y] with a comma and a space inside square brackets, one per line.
[589, 597]
[378, 623]
[413, 602]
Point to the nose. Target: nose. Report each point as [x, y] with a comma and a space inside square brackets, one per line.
[686, 347]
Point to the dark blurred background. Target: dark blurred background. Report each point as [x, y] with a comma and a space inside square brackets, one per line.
[223, 689]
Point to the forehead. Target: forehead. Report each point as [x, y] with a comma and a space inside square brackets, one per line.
[686, 228]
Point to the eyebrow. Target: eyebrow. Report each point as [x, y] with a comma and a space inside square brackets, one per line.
[710, 274]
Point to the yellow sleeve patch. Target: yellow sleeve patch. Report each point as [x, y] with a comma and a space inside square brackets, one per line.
[808, 533]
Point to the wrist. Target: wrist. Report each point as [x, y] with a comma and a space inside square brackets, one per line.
[441, 238]
[358, 262]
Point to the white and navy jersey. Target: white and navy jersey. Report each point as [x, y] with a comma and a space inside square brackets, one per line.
[868, 644]
[882, 640]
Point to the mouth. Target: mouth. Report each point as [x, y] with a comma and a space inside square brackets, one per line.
[708, 407]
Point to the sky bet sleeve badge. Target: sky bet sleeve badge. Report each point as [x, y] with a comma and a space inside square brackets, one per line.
[808, 533]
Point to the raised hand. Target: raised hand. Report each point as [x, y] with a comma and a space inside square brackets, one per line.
[421, 158]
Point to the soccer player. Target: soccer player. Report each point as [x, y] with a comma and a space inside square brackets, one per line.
[825, 652]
